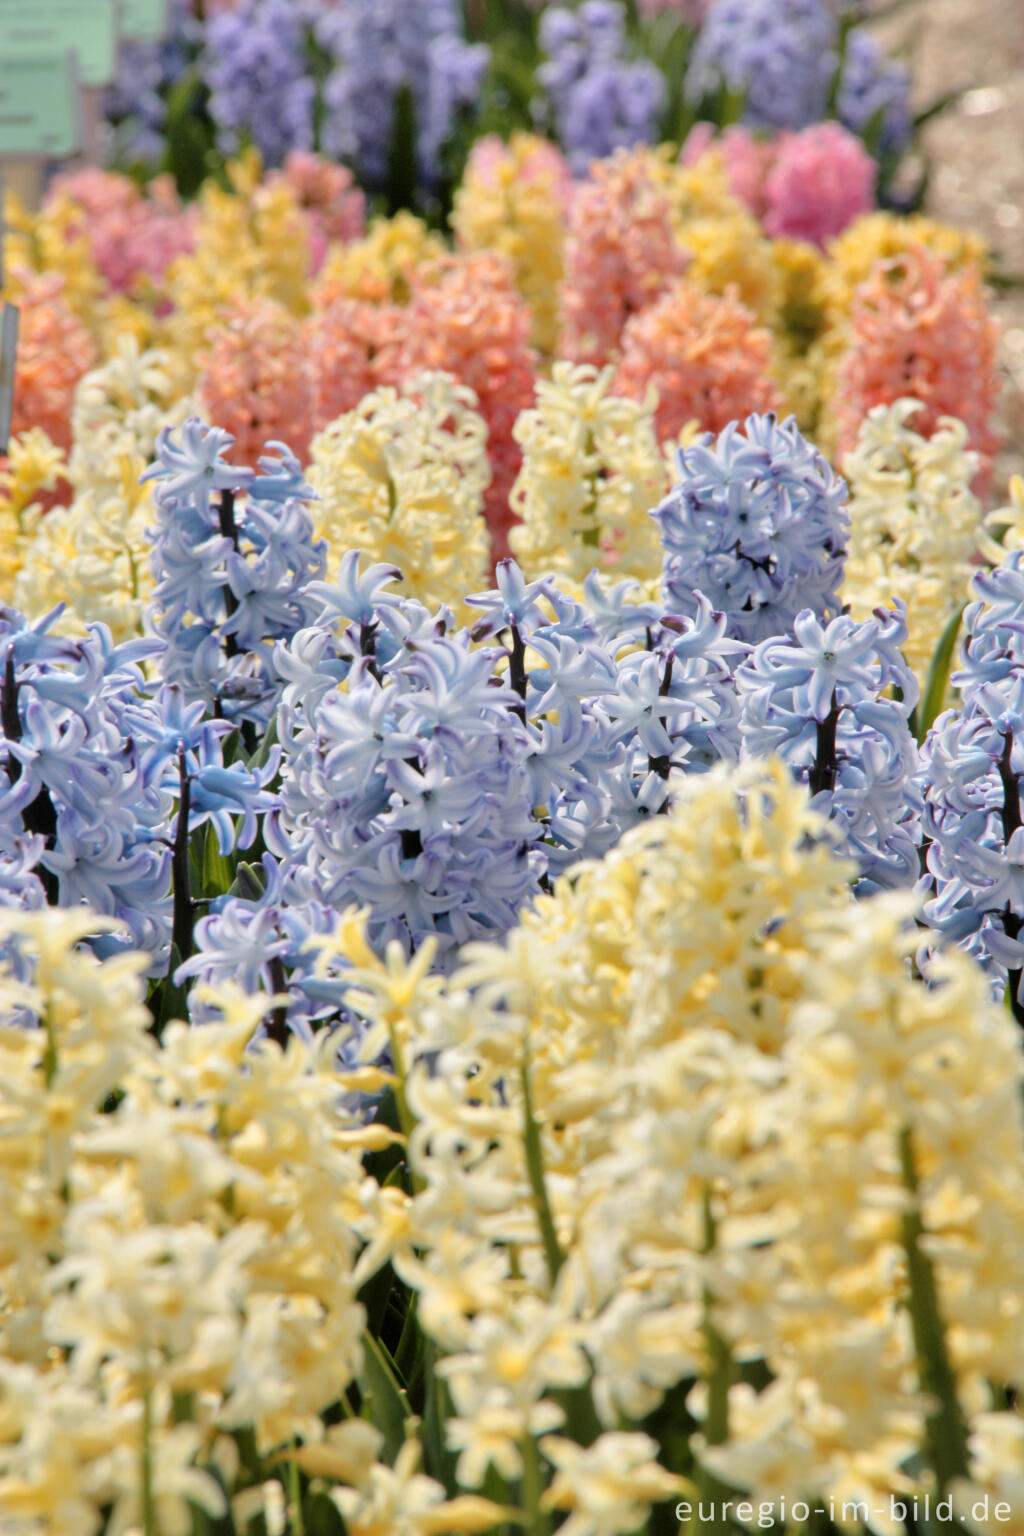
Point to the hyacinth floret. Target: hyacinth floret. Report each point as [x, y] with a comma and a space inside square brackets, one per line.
[834, 701]
[757, 522]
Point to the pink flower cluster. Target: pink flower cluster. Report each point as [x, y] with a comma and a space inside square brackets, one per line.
[805, 186]
[918, 329]
[706, 356]
[133, 237]
[620, 254]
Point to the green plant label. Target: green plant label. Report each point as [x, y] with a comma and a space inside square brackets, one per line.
[87, 27]
[39, 106]
[143, 21]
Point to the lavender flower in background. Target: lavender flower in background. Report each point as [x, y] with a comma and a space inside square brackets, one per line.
[779, 55]
[597, 99]
[256, 65]
[757, 523]
[380, 48]
[874, 90]
[136, 102]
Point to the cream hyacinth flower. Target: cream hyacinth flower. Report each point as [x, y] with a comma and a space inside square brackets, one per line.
[402, 478]
[914, 523]
[592, 470]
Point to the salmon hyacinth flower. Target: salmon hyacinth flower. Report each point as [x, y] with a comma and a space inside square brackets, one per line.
[918, 330]
[706, 357]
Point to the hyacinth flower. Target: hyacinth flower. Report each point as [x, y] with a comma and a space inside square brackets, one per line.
[972, 766]
[705, 357]
[233, 555]
[873, 95]
[467, 318]
[255, 64]
[915, 523]
[834, 701]
[756, 521]
[254, 376]
[456, 772]
[778, 56]
[591, 471]
[620, 254]
[81, 816]
[514, 199]
[396, 68]
[921, 330]
[598, 99]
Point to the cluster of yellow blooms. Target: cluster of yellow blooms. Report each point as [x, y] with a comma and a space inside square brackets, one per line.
[914, 523]
[694, 1141]
[698, 1114]
[592, 470]
[402, 478]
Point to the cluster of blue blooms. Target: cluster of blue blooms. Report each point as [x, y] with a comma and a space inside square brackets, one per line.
[373, 753]
[107, 778]
[972, 765]
[595, 97]
[233, 556]
[756, 522]
[295, 74]
[835, 702]
[782, 57]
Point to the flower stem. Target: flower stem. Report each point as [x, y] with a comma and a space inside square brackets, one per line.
[536, 1522]
[945, 1431]
[538, 1183]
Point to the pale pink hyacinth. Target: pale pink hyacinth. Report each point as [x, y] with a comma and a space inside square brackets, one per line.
[823, 178]
[334, 205]
[133, 237]
[802, 186]
[620, 254]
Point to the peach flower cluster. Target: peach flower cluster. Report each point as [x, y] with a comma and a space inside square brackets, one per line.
[620, 253]
[705, 355]
[917, 328]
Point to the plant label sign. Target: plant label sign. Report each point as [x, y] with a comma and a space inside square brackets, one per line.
[87, 28]
[143, 21]
[40, 107]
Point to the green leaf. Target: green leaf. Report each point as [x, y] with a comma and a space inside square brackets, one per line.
[939, 105]
[385, 1403]
[217, 873]
[167, 1000]
[938, 676]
